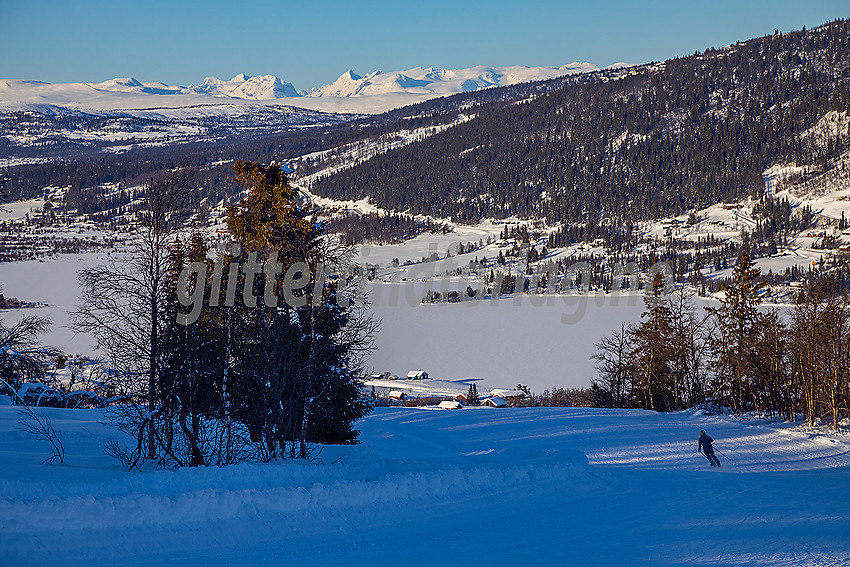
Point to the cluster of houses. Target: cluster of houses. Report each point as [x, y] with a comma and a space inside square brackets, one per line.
[412, 375]
[494, 400]
[497, 398]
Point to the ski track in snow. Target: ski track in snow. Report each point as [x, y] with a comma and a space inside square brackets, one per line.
[553, 486]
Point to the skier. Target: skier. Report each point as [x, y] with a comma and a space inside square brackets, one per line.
[706, 449]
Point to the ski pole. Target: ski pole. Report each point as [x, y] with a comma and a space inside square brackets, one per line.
[722, 453]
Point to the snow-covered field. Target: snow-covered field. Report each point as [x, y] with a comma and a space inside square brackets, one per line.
[542, 486]
[18, 209]
[539, 341]
[53, 282]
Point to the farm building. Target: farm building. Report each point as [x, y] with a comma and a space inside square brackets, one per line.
[509, 396]
[417, 375]
[494, 402]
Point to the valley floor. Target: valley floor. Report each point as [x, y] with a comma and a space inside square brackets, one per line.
[532, 486]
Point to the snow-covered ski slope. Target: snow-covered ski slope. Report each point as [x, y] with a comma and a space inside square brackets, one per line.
[477, 486]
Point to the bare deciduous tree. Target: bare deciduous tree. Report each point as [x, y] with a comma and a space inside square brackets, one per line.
[819, 353]
[122, 300]
[22, 358]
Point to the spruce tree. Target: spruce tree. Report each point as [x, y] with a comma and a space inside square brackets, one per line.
[300, 363]
[737, 319]
[653, 350]
[472, 398]
[191, 370]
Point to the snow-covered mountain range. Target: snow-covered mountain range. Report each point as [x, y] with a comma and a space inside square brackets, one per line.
[244, 87]
[429, 80]
[374, 92]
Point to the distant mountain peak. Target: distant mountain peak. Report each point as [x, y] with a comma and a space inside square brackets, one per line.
[431, 81]
[132, 85]
[348, 84]
[124, 81]
[262, 87]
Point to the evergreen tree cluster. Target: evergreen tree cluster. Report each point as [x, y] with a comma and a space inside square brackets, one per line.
[257, 379]
[776, 221]
[377, 228]
[736, 356]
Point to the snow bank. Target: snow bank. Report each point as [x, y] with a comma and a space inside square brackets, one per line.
[358, 477]
[115, 511]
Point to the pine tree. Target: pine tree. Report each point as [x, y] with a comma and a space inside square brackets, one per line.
[300, 363]
[472, 397]
[737, 318]
[653, 350]
[191, 368]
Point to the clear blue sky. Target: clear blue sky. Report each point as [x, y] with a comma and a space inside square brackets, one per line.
[312, 43]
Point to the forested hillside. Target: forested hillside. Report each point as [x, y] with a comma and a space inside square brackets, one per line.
[598, 149]
[661, 139]
[84, 165]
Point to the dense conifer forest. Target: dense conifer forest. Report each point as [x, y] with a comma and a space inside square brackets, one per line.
[665, 138]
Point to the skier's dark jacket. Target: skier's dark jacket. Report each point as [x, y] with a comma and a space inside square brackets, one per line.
[705, 444]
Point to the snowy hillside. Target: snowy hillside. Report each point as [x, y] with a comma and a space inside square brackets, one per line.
[59, 131]
[473, 486]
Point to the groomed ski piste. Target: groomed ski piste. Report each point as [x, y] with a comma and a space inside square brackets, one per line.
[476, 486]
